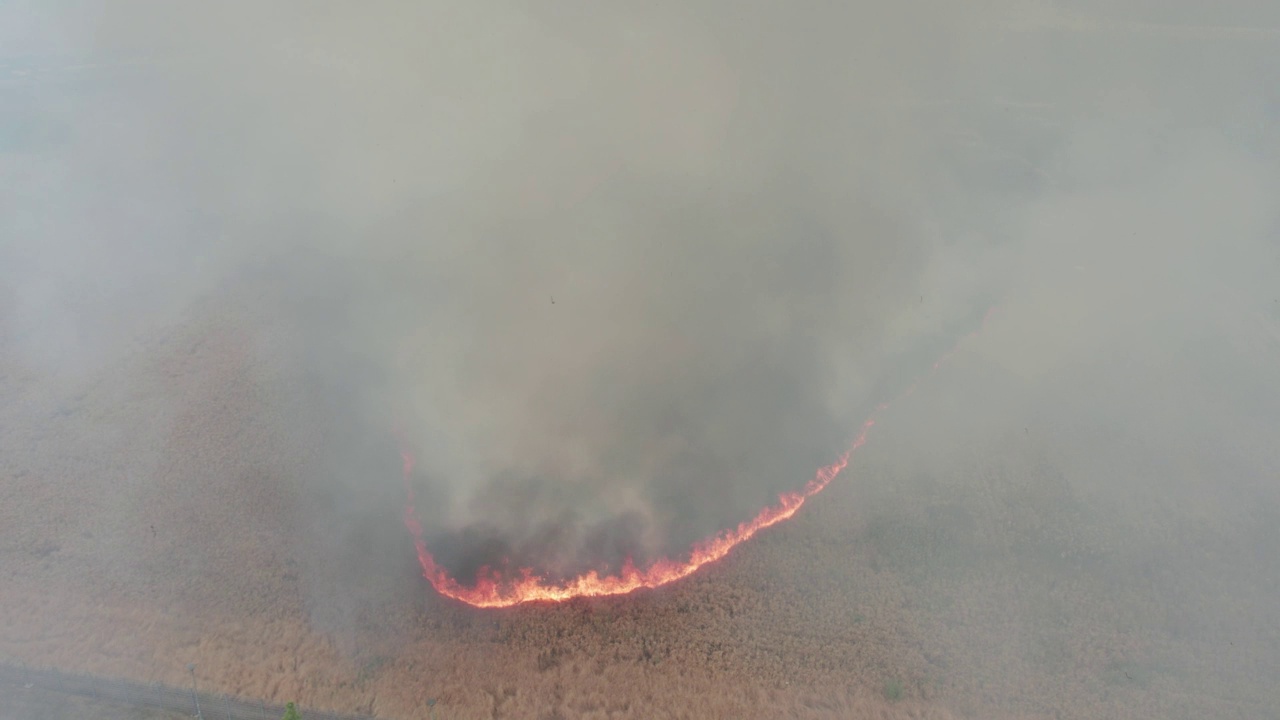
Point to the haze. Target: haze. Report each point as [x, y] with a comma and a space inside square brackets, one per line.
[621, 273]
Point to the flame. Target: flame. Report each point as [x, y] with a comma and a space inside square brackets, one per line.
[492, 590]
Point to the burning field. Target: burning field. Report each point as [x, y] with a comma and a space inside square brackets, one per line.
[686, 360]
[987, 575]
[491, 590]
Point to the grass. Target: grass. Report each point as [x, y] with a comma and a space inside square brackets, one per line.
[370, 668]
[893, 690]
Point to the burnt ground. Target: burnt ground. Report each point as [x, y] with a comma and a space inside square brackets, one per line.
[1034, 557]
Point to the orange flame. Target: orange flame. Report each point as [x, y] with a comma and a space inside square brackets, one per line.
[491, 590]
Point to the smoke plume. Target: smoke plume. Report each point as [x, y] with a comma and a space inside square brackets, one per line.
[620, 276]
[621, 273]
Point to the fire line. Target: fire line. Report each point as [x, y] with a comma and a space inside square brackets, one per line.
[493, 590]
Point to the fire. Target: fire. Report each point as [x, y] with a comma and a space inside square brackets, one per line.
[491, 590]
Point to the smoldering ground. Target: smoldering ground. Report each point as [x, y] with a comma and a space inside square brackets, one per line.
[620, 276]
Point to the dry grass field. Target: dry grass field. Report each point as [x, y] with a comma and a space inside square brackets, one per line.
[160, 514]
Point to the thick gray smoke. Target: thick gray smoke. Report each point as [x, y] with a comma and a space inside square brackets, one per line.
[620, 276]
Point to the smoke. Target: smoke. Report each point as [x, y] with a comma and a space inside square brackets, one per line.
[620, 274]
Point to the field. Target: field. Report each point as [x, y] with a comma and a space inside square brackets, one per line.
[997, 572]
[233, 238]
